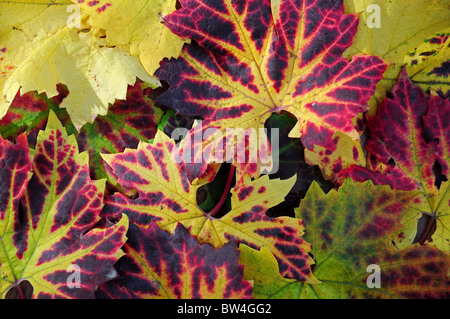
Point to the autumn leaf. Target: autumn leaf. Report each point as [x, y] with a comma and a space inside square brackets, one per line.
[403, 27]
[159, 265]
[346, 152]
[137, 25]
[190, 143]
[414, 273]
[428, 64]
[166, 196]
[409, 146]
[290, 148]
[127, 122]
[289, 154]
[275, 153]
[39, 50]
[49, 206]
[349, 229]
[205, 147]
[18, 29]
[255, 58]
[29, 113]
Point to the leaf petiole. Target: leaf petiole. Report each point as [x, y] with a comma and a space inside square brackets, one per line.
[225, 193]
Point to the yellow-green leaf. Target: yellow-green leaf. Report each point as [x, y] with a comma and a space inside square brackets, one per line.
[48, 209]
[349, 230]
[166, 196]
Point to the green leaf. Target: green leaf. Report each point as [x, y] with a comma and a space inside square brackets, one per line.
[349, 230]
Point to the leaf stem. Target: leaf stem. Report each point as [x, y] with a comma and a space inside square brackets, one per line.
[225, 192]
[20, 292]
[425, 234]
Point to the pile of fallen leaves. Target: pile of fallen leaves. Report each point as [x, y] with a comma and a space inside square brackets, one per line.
[123, 124]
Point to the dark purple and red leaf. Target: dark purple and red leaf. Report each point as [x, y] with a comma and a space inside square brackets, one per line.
[408, 136]
[127, 122]
[254, 58]
[408, 148]
[160, 265]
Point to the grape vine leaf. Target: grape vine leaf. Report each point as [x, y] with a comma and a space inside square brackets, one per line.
[127, 122]
[189, 135]
[48, 208]
[137, 25]
[428, 65]
[346, 152]
[269, 151]
[254, 58]
[18, 33]
[403, 26]
[171, 123]
[166, 196]
[38, 50]
[205, 147]
[349, 229]
[29, 112]
[408, 148]
[160, 265]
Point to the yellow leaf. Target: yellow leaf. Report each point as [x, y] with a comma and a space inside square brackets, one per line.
[346, 152]
[137, 24]
[403, 26]
[19, 35]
